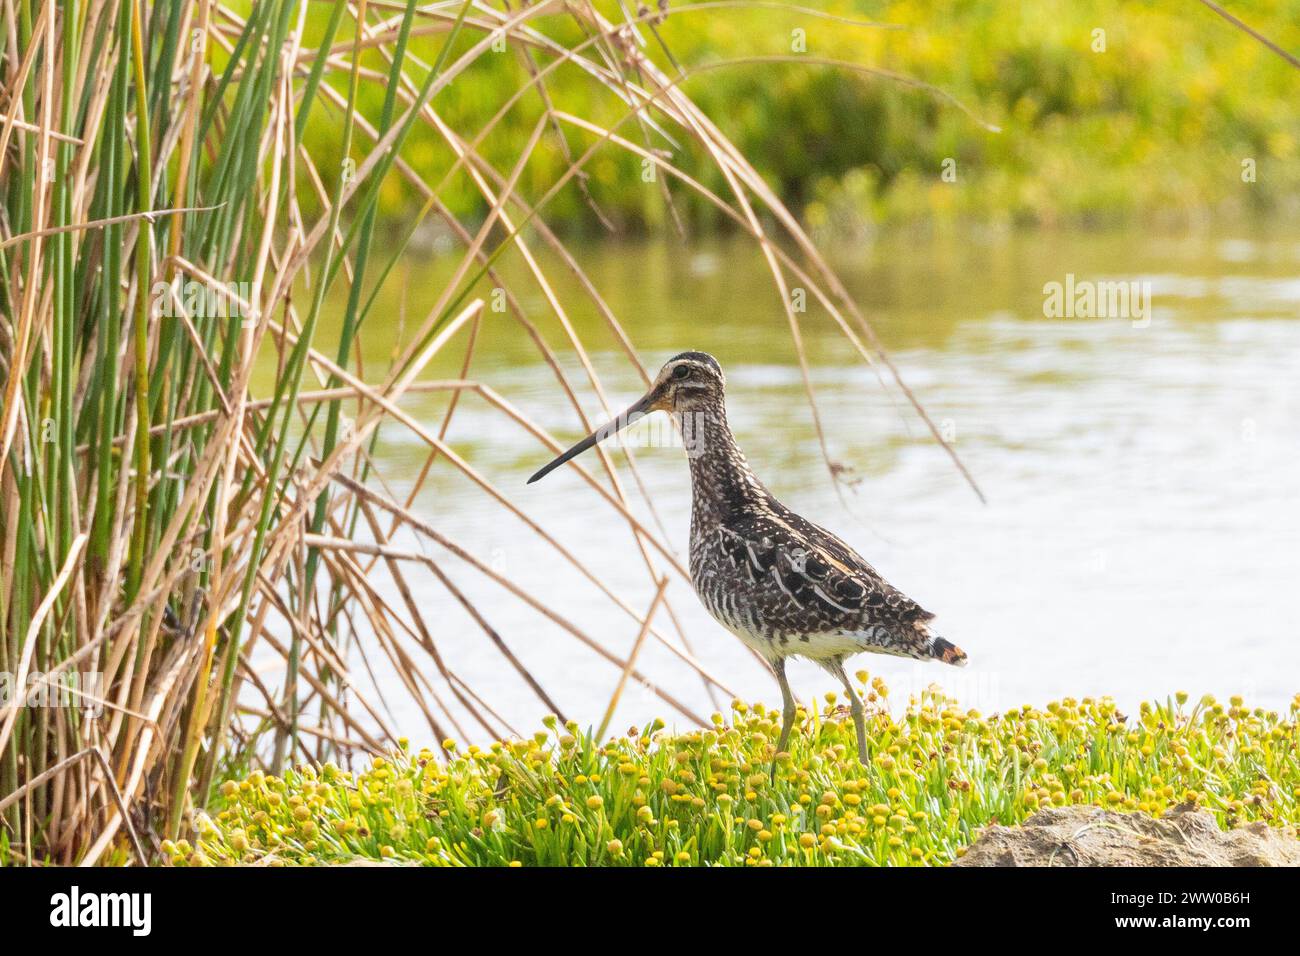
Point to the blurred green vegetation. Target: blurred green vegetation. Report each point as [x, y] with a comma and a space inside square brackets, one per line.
[1151, 120]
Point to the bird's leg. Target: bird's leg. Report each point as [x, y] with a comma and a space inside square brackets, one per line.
[855, 708]
[787, 710]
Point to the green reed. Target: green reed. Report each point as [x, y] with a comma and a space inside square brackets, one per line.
[161, 520]
[139, 490]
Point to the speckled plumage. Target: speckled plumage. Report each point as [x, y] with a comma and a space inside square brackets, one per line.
[783, 585]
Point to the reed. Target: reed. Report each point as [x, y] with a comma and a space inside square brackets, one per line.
[214, 553]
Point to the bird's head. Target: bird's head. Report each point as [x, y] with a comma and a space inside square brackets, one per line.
[689, 382]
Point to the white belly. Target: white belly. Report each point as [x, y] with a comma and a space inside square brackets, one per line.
[814, 647]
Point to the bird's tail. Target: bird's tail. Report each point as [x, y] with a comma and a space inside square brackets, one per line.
[948, 652]
[944, 650]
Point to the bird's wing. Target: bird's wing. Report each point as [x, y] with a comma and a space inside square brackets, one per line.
[817, 570]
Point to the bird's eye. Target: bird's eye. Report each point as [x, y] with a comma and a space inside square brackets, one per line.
[682, 371]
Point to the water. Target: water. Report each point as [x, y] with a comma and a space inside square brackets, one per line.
[1142, 528]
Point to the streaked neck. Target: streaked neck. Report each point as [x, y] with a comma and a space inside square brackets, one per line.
[722, 482]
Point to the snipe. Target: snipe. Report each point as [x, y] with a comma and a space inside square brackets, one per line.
[781, 584]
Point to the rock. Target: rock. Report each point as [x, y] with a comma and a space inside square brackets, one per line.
[1091, 836]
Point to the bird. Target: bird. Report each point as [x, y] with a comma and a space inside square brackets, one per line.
[783, 585]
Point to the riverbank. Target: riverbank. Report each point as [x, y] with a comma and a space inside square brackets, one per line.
[938, 775]
[1055, 113]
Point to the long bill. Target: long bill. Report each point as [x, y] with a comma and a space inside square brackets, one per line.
[634, 412]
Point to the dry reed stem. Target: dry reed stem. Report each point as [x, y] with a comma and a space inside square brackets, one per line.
[236, 534]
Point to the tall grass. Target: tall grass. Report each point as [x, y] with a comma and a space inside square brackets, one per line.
[168, 528]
